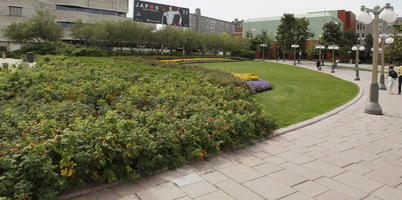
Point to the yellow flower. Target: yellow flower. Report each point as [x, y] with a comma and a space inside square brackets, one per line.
[246, 76]
[68, 170]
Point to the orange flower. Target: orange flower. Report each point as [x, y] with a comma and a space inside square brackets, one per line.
[205, 151]
[201, 155]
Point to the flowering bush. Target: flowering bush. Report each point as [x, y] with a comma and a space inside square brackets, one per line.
[260, 85]
[246, 76]
[67, 122]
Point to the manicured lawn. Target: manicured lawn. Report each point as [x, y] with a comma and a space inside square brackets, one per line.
[299, 94]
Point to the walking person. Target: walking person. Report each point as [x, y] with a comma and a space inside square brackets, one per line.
[400, 79]
[318, 63]
[392, 77]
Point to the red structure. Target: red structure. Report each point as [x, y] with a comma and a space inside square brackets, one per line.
[239, 32]
[349, 20]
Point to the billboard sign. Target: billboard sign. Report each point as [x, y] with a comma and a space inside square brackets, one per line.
[161, 14]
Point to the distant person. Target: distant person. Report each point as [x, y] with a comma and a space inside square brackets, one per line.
[318, 64]
[392, 77]
[400, 79]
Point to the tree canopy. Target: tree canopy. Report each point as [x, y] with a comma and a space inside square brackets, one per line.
[293, 31]
[40, 28]
[332, 33]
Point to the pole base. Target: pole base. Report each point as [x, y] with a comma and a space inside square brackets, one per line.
[332, 71]
[357, 79]
[382, 86]
[373, 107]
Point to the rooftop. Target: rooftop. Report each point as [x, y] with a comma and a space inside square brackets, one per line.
[308, 15]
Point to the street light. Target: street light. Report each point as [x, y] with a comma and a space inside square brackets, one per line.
[300, 54]
[385, 39]
[320, 47]
[333, 48]
[294, 46]
[357, 48]
[388, 15]
[263, 53]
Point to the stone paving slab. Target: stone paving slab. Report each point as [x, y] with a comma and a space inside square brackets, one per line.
[345, 154]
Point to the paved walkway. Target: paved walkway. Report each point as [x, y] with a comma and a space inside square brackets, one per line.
[351, 155]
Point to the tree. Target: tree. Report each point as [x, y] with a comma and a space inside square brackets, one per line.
[311, 50]
[393, 53]
[83, 32]
[332, 33]
[286, 32]
[368, 41]
[262, 38]
[302, 33]
[349, 38]
[40, 28]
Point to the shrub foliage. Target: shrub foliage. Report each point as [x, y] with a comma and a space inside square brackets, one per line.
[68, 122]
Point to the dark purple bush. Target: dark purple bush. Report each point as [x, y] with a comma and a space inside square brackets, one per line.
[260, 85]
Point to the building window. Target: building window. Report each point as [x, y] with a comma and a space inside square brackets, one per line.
[362, 35]
[358, 27]
[87, 10]
[15, 11]
[379, 26]
[65, 24]
[364, 26]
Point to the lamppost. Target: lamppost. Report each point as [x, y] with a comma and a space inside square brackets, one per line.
[263, 53]
[387, 14]
[300, 54]
[388, 40]
[294, 46]
[320, 47]
[357, 48]
[333, 48]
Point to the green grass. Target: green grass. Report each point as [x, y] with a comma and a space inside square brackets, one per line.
[299, 94]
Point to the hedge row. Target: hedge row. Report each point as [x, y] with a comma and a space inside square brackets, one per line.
[68, 122]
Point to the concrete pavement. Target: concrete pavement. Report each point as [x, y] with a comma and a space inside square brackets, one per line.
[350, 155]
[11, 62]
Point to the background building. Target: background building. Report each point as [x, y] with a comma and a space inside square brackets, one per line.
[346, 19]
[363, 30]
[66, 11]
[203, 24]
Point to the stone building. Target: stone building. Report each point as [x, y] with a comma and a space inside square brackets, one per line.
[203, 24]
[362, 30]
[66, 11]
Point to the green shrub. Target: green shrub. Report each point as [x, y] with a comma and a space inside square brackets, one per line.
[84, 51]
[14, 54]
[3, 48]
[5, 66]
[244, 53]
[67, 122]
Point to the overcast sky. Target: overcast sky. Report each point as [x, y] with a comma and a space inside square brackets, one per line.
[230, 9]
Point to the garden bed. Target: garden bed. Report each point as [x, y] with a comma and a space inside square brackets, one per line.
[67, 122]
